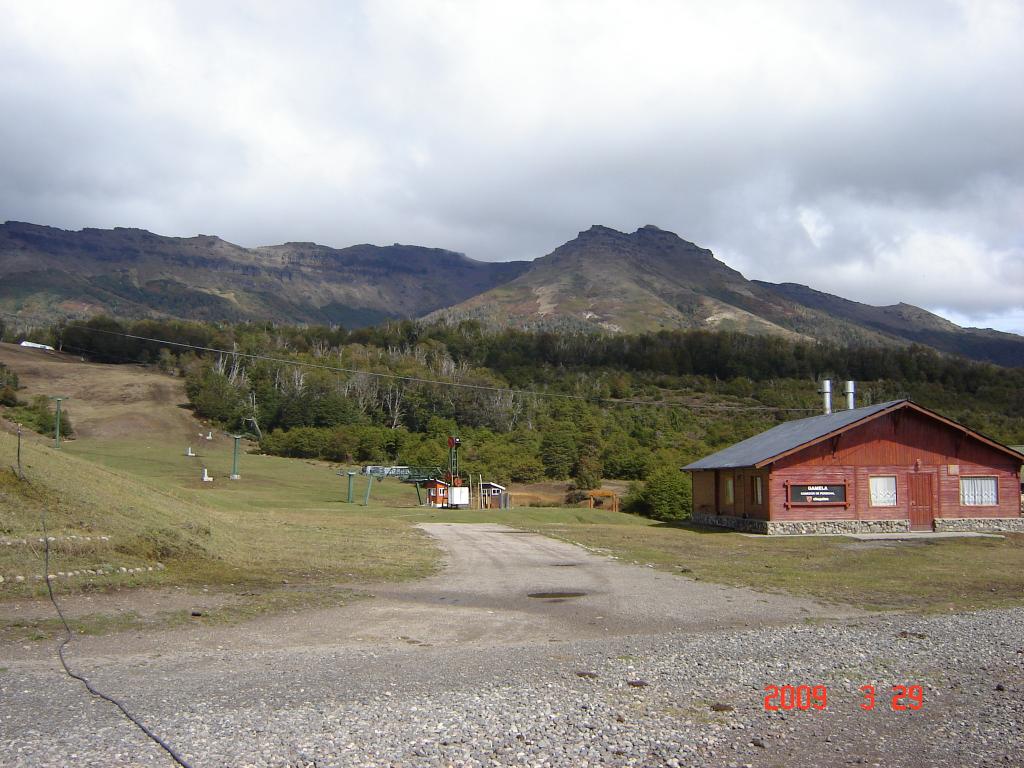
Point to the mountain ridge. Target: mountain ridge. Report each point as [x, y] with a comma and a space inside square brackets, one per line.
[651, 279]
[135, 273]
[603, 280]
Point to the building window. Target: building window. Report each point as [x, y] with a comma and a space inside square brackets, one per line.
[978, 492]
[883, 491]
[730, 494]
[757, 490]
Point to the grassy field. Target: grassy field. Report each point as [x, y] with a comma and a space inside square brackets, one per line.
[283, 519]
[284, 537]
[287, 520]
[916, 575]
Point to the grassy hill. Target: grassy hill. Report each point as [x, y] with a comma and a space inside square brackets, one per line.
[130, 515]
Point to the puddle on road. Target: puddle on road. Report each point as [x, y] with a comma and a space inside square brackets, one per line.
[555, 595]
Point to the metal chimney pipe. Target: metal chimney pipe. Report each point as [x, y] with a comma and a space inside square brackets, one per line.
[850, 390]
[826, 395]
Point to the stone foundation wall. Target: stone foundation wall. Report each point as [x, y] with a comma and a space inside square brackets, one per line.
[796, 527]
[1006, 524]
[820, 527]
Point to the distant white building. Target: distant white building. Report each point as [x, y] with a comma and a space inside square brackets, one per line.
[33, 345]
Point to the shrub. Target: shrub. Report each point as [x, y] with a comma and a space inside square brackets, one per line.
[8, 396]
[299, 443]
[667, 495]
[40, 417]
[8, 378]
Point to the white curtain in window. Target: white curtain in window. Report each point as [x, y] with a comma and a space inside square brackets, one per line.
[883, 491]
[978, 491]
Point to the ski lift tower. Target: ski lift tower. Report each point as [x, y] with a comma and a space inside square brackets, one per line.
[453, 458]
[60, 399]
[237, 449]
[458, 494]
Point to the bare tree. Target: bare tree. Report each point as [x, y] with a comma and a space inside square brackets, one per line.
[392, 398]
[506, 407]
[363, 389]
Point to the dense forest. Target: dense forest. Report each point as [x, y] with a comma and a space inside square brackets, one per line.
[529, 406]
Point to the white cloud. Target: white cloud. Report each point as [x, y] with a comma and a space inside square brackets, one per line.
[872, 151]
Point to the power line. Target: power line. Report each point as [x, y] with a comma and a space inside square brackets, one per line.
[437, 382]
[69, 635]
[434, 382]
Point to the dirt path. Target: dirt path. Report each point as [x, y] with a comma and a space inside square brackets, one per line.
[500, 586]
[458, 670]
[506, 585]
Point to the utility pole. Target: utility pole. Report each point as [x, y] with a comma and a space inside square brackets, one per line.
[56, 440]
[234, 460]
[21, 475]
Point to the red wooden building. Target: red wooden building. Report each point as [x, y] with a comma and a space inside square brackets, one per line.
[891, 467]
[437, 492]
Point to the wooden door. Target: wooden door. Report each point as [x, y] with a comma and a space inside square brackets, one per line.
[922, 514]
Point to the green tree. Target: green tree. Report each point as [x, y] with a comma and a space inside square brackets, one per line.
[558, 452]
[588, 472]
[213, 396]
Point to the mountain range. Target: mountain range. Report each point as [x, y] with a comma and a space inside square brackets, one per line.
[601, 281]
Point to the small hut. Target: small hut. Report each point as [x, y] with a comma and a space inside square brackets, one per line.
[437, 492]
[493, 496]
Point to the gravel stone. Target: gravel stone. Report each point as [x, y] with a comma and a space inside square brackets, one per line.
[526, 705]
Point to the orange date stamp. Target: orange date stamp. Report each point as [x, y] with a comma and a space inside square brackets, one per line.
[785, 698]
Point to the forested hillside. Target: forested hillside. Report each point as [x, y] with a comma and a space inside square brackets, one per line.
[527, 405]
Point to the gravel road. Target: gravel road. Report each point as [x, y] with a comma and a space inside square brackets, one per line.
[465, 670]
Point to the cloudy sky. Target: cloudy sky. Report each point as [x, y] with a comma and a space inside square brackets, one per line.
[870, 149]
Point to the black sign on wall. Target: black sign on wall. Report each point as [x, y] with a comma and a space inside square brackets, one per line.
[817, 494]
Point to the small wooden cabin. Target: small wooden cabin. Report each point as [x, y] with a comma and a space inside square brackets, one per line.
[437, 493]
[493, 496]
[441, 494]
[891, 467]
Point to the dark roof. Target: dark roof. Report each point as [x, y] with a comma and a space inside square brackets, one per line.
[789, 437]
[786, 437]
